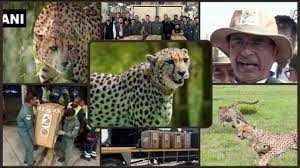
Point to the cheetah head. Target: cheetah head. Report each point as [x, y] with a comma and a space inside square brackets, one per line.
[223, 109]
[245, 131]
[170, 67]
[55, 42]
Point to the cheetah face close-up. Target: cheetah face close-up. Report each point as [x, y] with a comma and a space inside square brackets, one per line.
[170, 66]
[245, 131]
[57, 53]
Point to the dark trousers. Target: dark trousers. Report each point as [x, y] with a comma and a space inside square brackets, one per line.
[91, 147]
[166, 36]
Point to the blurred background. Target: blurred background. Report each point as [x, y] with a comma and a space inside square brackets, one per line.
[191, 106]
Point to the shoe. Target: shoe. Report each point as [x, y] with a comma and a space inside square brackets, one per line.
[85, 158]
[94, 157]
[62, 159]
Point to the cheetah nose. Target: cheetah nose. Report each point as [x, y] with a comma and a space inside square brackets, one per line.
[64, 64]
[181, 73]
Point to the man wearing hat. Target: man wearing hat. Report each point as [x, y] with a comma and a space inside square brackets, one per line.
[222, 70]
[252, 44]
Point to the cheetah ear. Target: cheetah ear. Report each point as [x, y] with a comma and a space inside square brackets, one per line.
[185, 50]
[151, 59]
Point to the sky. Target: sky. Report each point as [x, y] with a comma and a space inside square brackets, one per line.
[215, 15]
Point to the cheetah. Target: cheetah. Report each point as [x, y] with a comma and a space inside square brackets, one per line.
[277, 144]
[142, 96]
[233, 115]
[62, 33]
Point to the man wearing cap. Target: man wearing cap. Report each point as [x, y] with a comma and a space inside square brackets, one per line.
[252, 44]
[222, 70]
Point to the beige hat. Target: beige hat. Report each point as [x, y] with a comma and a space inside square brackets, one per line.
[261, 23]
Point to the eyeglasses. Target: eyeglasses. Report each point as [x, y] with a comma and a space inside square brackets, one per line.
[257, 44]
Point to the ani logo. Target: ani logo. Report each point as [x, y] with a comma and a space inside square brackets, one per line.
[14, 18]
[248, 17]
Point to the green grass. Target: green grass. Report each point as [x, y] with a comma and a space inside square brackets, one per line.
[276, 112]
[248, 109]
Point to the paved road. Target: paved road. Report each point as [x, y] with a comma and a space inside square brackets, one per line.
[13, 151]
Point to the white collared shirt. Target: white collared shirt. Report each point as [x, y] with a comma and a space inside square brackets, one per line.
[260, 81]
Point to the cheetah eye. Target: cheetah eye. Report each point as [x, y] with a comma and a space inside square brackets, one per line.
[170, 61]
[53, 48]
[185, 60]
[70, 47]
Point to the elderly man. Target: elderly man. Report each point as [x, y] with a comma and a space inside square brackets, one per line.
[253, 44]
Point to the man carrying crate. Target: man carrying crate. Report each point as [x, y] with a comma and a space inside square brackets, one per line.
[25, 126]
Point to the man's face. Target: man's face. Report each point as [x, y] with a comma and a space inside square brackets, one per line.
[108, 18]
[197, 20]
[222, 73]
[34, 101]
[184, 20]
[165, 16]
[121, 20]
[157, 19]
[251, 56]
[136, 17]
[147, 17]
[128, 15]
[175, 17]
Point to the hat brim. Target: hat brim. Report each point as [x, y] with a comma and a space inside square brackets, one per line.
[218, 39]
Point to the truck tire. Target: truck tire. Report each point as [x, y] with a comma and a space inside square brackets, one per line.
[110, 162]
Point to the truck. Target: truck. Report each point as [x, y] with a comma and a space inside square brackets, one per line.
[122, 147]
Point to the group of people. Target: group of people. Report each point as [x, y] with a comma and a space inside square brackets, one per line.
[120, 26]
[257, 50]
[73, 128]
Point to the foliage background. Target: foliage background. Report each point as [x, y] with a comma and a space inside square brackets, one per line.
[191, 101]
[276, 113]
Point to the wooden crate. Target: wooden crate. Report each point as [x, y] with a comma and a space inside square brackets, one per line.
[150, 139]
[165, 140]
[47, 122]
[176, 140]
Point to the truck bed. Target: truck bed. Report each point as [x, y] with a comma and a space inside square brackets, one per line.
[108, 150]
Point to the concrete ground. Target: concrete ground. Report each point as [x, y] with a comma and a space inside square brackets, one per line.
[13, 152]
